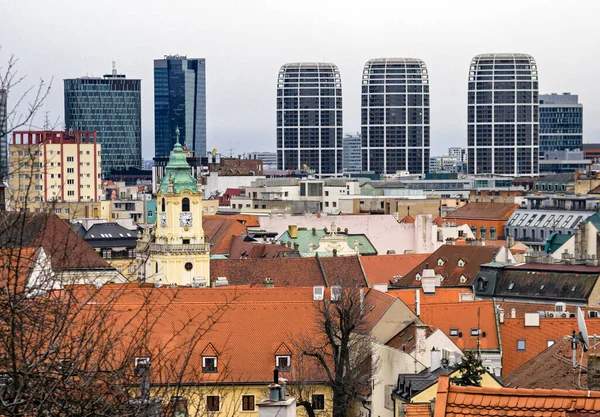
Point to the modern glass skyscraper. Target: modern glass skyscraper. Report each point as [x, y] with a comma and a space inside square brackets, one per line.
[561, 122]
[111, 106]
[503, 115]
[179, 102]
[309, 117]
[395, 116]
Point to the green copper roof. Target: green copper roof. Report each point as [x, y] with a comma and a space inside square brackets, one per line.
[178, 171]
[365, 247]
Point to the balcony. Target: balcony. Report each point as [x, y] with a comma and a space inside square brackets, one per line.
[192, 248]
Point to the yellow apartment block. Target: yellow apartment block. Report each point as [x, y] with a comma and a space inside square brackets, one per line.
[54, 167]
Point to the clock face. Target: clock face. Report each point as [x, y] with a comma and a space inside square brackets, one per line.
[163, 219]
[185, 219]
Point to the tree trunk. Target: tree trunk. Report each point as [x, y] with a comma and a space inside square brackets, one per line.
[308, 407]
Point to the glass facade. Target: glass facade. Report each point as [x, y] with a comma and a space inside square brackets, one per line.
[503, 115]
[309, 118]
[395, 116]
[179, 102]
[561, 123]
[111, 106]
[352, 156]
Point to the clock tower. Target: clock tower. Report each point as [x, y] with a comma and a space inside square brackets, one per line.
[179, 254]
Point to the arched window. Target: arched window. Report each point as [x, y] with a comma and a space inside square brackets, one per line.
[474, 230]
[157, 267]
[185, 204]
[163, 205]
[482, 232]
[492, 233]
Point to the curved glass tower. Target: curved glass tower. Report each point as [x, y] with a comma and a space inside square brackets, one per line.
[309, 118]
[503, 115]
[395, 116]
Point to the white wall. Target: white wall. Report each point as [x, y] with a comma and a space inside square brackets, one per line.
[215, 183]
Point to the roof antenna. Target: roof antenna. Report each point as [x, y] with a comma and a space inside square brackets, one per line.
[114, 69]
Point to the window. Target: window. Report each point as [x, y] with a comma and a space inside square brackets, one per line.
[461, 263]
[70, 193]
[70, 159]
[318, 402]
[119, 269]
[492, 233]
[482, 232]
[474, 332]
[549, 343]
[454, 332]
[70, 170]
[283, 363]
[130, 269]
[185, 204]
[209, 365]
[520, 345]
[212, 403]
[163, 205]
[418, 277]
[67, 211]
[150, 213]
[440, 262]
[247, 402]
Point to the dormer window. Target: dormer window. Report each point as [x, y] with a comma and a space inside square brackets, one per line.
[209, 364]
[283, 363]
[418, 277]
[461, 263]
[463, 279]
[440, 262]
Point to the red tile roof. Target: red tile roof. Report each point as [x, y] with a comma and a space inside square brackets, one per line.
[240, 249]
[408, 220]
[453, 400]
[484, 211]
[250, 326]
[441, 296]
[472, 255]
[380, 269]
[438, 221]
[219, 231]
[417, 409]
[16, 265]
[536, 338]
[289, 272]
[464, 317]
[406, 340]
[66, 249]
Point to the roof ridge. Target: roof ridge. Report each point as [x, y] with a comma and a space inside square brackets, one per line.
[530, 392]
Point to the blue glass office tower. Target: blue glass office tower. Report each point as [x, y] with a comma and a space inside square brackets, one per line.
[561, 122]
[112, 107]
[179, 102]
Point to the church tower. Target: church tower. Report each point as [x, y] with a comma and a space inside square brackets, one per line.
[179, 254]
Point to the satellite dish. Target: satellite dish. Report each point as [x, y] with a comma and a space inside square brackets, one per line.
[583, 334]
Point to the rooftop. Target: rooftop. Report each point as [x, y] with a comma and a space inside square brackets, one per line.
[381, 269]
[484, 211]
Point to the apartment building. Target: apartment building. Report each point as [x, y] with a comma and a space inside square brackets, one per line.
[53, 167]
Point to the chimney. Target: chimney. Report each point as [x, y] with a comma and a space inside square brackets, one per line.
[334, 252]
[436, 359]
[314, 231]
[420, 345]
[293, 231]
[594, 372]
[513, 313]
[277, 405]
[501, 315]
[429, 281]
[418, 302]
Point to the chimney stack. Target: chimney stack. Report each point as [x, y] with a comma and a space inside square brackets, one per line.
[436, 359]
[420, 345]
[293, 231]
[277, 405]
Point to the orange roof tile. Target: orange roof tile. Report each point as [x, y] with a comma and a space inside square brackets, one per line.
[380, 269]
[441, 296]
[417, 409]
[240, 249]
[219, 231]
[464, 317]
[483, 211]
[408, 220]
[453, 400]
[438, 221]
[536, 338]
[249, 325]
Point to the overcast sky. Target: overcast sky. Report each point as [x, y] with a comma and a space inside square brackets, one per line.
[245, 42]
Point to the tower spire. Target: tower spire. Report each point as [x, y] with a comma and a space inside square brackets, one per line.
[177, 135]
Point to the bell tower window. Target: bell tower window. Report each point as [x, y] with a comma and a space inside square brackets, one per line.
[163, 205]
[185, 204]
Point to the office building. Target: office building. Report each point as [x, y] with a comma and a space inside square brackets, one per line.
[561, 122]
[110, 106]
[458, 153]
[395, 116]
[179, 102]
[3, 134]
[269, 159]
[54, 166]
[352, 154]
[309, 118]
[503, 115]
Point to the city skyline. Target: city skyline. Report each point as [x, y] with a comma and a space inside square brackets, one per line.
[241, 107]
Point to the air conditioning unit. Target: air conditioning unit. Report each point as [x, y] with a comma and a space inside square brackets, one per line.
[318, 293]
[221, 282]
[552, 314]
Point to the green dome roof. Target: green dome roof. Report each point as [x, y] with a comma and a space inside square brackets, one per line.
[179, 171]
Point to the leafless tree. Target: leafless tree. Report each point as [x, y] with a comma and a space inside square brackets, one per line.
[341, 350]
